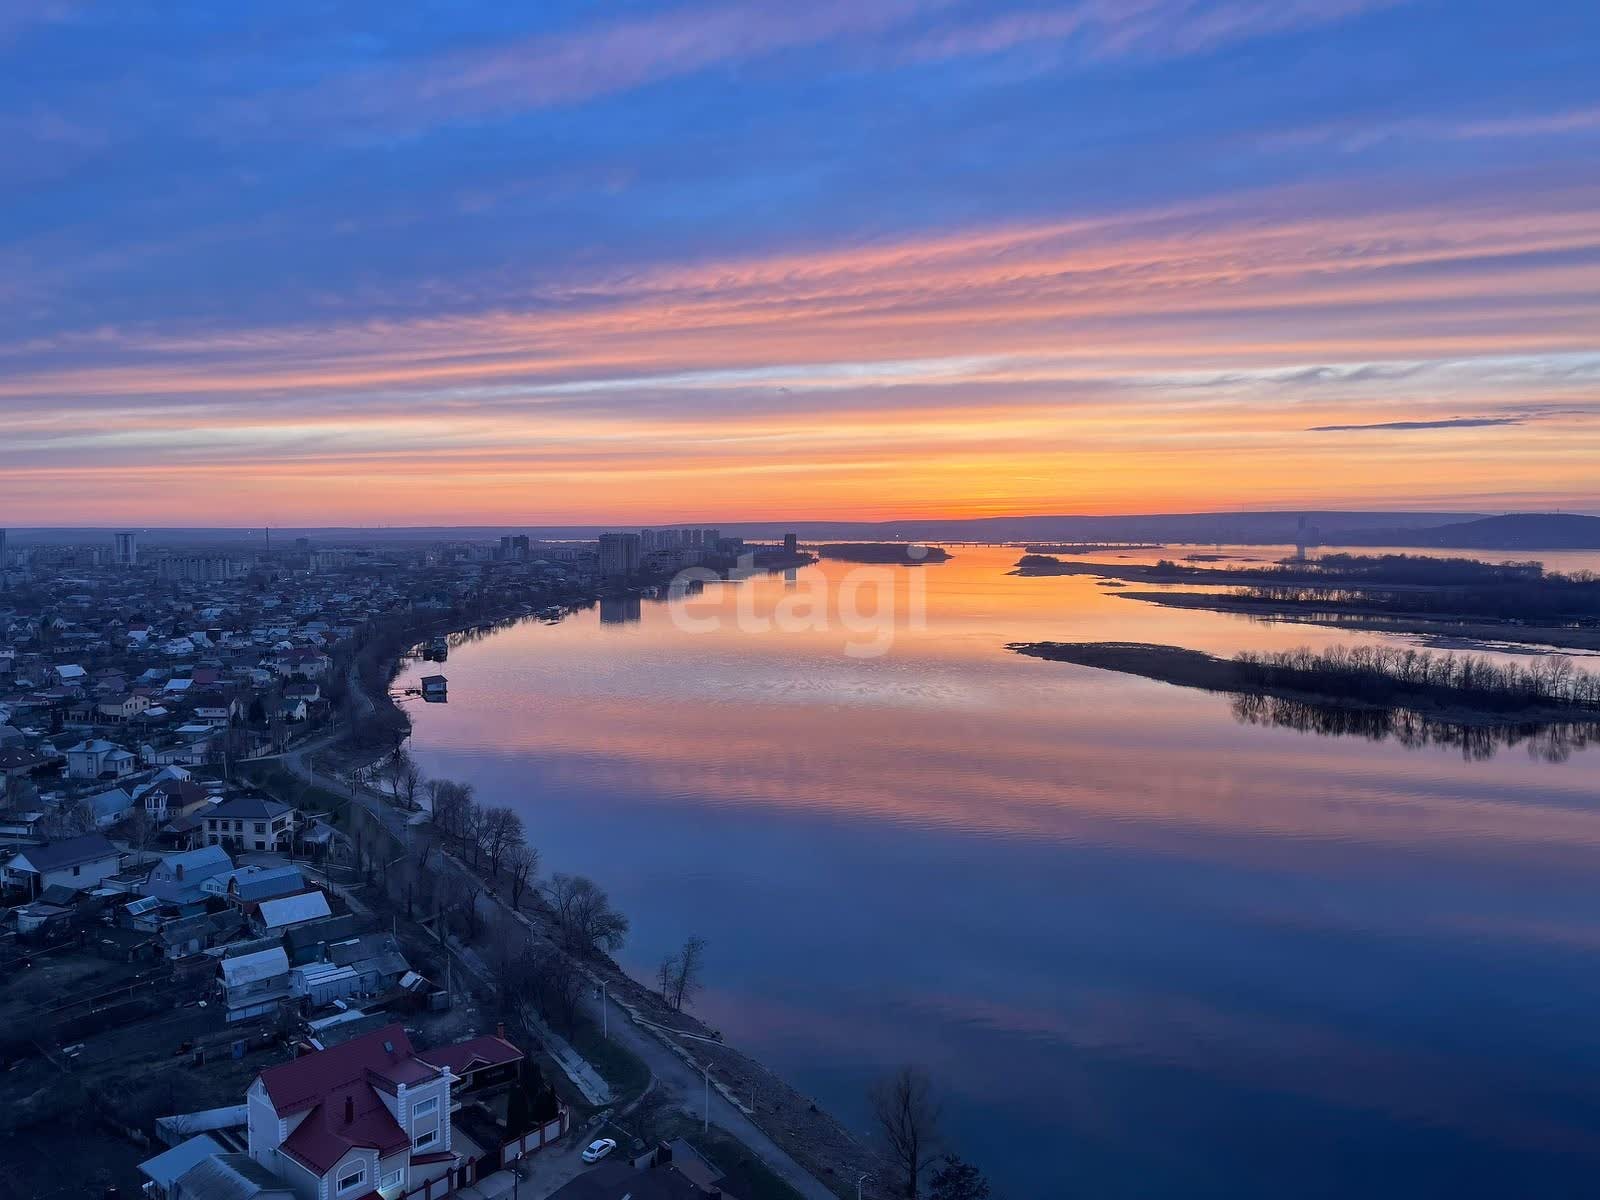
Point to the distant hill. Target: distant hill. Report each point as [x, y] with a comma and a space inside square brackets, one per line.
[1514, 531]
[1258, 528]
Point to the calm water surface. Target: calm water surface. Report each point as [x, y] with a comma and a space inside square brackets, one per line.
[1144, 948]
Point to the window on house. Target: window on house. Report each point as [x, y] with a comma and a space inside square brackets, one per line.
[353, 1180]
[261, 826]
[424, 1140]
[425, 1107]
[392, 1179]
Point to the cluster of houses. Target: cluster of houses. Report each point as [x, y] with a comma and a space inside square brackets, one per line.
[111, 670]
[167, 808]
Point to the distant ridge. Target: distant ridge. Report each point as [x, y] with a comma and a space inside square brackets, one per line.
[1268, 527]
[1513, 531]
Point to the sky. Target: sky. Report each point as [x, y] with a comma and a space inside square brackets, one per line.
[478, 263]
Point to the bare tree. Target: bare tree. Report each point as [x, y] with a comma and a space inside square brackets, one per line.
[19, 791]
[499, 831]
[908, 1117]
[410, 782]
[522, 860]
[140, 827]
[666, 973]
[403, 776]
[450, 801]
[516, 971]
[457, 896]
[472, 818]
[470, 891]
[958, 1180]
[560, 989]
[585, 916]
[687, 964]
[71, 818]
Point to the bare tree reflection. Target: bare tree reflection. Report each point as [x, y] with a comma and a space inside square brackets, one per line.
[1414, 731]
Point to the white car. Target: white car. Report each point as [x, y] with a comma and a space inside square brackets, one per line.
[598, 1150]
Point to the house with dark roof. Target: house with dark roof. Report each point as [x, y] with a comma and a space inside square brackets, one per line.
[364, 1117]
[170, 798]
[309, 943]
[253, 984]
[250, 823]
[281, 913]
[253, 883]
[77, 863]
[97, 757]
[180, 878]
[375, 958]
[479, 1063]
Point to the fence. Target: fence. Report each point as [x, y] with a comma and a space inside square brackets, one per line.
[534, 1140]
[431, 1191]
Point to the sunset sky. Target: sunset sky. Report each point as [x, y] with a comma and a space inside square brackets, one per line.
[453, 263]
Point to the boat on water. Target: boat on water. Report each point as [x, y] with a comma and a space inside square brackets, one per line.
[435, 689]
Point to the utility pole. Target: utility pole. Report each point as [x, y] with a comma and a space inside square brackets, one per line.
[706, 1127]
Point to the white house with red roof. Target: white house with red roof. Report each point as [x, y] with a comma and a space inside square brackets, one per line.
[364, 1119]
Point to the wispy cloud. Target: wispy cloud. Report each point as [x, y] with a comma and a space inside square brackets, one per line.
[1353, 135]
[550, 70]
[1447, 423]
[620, 55]
[1127, 352]
[1149, 29]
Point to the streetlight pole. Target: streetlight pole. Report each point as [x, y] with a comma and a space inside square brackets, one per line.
[859, 1182]
[605, 1015]
[706, 1127]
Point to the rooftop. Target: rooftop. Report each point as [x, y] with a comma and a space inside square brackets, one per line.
[53, 856]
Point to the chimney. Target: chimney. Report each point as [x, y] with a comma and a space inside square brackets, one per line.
[349, 1110]
[500, 1031]
[179, 870]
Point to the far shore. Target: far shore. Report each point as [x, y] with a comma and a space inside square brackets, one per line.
[1479, 634]
[1196, 669]
[1341, 612]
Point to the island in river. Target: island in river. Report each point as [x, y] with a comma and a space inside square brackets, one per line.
[1459, 598]
[901, 553]
[1455, 690]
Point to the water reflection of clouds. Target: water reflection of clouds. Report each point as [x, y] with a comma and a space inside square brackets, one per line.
[1091, 905]
[1108, 778]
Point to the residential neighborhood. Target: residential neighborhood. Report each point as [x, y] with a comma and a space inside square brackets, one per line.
[240, 956]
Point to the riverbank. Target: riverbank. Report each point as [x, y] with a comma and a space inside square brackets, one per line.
[813, 1150]
[1359, 691]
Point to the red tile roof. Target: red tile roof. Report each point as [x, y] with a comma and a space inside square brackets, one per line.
[473, 1054]
[339, 1087]
[304, 1082]
[325, 1137]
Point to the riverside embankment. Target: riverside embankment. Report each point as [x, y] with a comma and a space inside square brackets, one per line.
[795, 1137]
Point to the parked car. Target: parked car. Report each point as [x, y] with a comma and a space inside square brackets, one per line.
[598, 1150]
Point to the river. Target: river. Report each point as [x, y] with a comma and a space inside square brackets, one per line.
[1143, 946]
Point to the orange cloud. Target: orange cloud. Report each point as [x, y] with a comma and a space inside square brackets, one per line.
[1171, 358]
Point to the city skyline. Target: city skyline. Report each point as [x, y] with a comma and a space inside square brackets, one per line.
[870, 261]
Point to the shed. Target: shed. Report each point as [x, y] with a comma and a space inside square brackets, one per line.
[165, 1169]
